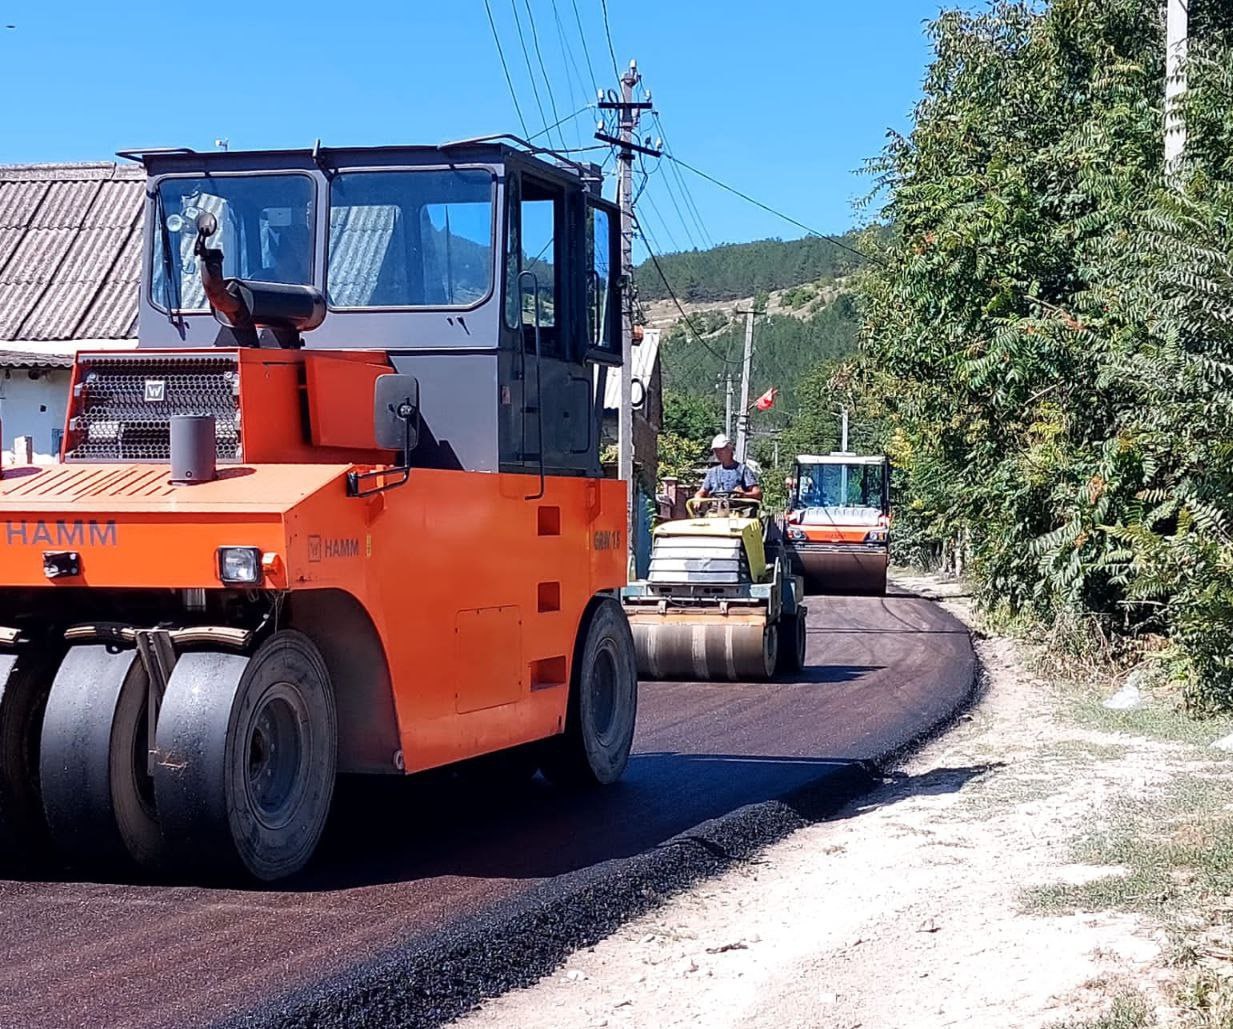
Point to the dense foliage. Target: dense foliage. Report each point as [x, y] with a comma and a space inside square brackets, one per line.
[738, 270]
[1050, 339]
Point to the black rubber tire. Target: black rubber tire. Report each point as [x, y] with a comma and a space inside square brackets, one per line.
[790, 658]
[25, 680]
[603, 704]
[248, 750]
[97, 795]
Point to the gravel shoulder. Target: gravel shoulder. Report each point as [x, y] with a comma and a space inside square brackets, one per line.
[969, 890]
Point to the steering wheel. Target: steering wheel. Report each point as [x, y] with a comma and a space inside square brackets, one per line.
[722, 503]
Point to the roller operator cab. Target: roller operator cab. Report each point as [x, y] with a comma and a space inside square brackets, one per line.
[341, 511]
[837, 528]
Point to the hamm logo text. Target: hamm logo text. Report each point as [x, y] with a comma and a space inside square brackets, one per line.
[61, 533]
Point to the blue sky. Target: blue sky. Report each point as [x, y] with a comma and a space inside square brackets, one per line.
[784, 98]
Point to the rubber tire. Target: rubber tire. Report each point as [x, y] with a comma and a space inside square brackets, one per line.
[790, 659]
[206, 732]
[25, 680]
[92, 757]
[587, 754]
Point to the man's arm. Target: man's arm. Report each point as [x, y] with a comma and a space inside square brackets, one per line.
[704, 490]
[749, 484]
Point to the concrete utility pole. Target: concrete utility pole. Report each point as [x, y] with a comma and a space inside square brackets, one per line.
[742, 420]
[1177, 37]
[728, 404]
[629, 111]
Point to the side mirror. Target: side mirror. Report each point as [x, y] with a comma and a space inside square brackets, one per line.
[396, 413]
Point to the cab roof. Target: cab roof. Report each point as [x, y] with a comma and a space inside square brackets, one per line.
[505, 150]
[839, 457]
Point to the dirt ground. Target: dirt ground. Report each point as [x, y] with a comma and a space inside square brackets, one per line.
[918, 905]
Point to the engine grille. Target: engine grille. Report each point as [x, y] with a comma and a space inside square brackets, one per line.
[123, 404]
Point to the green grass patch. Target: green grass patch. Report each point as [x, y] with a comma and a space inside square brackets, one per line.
[1176, 847]
[1128, 1011]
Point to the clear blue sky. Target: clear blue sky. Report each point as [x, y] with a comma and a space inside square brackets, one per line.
[782, 98]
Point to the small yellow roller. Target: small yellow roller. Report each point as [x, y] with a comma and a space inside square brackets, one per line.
[715, 606]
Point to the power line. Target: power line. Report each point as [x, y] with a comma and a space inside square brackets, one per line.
[778, 214]
[552, 100]
[663, 223]
[585, 49]
[647, 241]
[690, 205]
[671, 191]
[616, 69]
[570, 117]
[505, 67]
[571, 62]
[526, 56]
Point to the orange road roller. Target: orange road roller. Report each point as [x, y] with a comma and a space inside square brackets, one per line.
[341, 511]
[837, 529]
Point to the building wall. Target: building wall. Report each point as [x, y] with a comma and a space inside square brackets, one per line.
[33, 403]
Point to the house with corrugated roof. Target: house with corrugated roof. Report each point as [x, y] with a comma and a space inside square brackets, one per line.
[70, 265]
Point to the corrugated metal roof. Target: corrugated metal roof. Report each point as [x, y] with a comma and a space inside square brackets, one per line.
[644, 357]
[70, 251]
[23, 359]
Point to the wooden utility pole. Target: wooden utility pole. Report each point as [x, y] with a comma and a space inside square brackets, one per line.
[629, 111]
[1177, 36]
[742, 419]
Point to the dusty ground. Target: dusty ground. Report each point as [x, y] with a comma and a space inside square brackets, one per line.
[920, 905]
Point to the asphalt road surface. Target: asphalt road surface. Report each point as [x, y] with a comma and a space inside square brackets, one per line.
[411, 860]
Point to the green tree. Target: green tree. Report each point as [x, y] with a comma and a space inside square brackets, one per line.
[1049, 334]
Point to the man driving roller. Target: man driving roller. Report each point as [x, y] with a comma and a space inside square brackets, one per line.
[729, 475]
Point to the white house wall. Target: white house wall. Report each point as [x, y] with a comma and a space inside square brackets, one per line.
[34, 407]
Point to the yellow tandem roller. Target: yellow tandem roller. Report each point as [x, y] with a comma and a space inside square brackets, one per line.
[714, 606]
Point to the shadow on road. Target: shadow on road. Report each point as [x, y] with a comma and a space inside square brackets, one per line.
[481, 822]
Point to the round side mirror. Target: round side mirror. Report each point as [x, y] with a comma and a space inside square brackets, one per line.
[207, 225]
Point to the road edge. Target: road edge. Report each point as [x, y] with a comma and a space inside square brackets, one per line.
[519, 941]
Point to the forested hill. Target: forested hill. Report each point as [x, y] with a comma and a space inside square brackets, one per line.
[737, 270]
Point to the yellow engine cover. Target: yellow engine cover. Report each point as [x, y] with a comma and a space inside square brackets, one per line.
[749, 530]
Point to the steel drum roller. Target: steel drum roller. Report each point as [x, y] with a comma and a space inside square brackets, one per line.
[706, 648]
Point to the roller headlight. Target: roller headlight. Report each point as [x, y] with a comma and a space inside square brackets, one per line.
[796, 534]
[240, 566]
[875, 536]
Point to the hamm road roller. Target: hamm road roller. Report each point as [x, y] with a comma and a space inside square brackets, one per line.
[341, 511]
[837, 529]
[718, 603]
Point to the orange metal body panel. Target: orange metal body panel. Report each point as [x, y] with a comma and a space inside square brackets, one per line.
[433, 563]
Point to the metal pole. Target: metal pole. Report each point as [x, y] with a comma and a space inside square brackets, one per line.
[1177, 34]
[625, 415]
[843, 468]
[742, 419]
[728, 406]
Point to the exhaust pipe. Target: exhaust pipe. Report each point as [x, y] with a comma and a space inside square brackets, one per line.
[194, 454]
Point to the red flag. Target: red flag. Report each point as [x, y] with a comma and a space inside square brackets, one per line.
[767, 400]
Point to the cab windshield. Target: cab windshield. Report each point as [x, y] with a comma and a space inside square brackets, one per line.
[264, 231]
[840, 485]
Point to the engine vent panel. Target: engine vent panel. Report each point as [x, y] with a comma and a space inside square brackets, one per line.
[122, 404]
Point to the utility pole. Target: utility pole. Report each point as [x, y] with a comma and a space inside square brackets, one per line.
[629, 111]
[742, 419]
[1177, 38]
[728, 405]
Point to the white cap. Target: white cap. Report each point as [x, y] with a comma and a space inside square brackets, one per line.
[720, 441]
